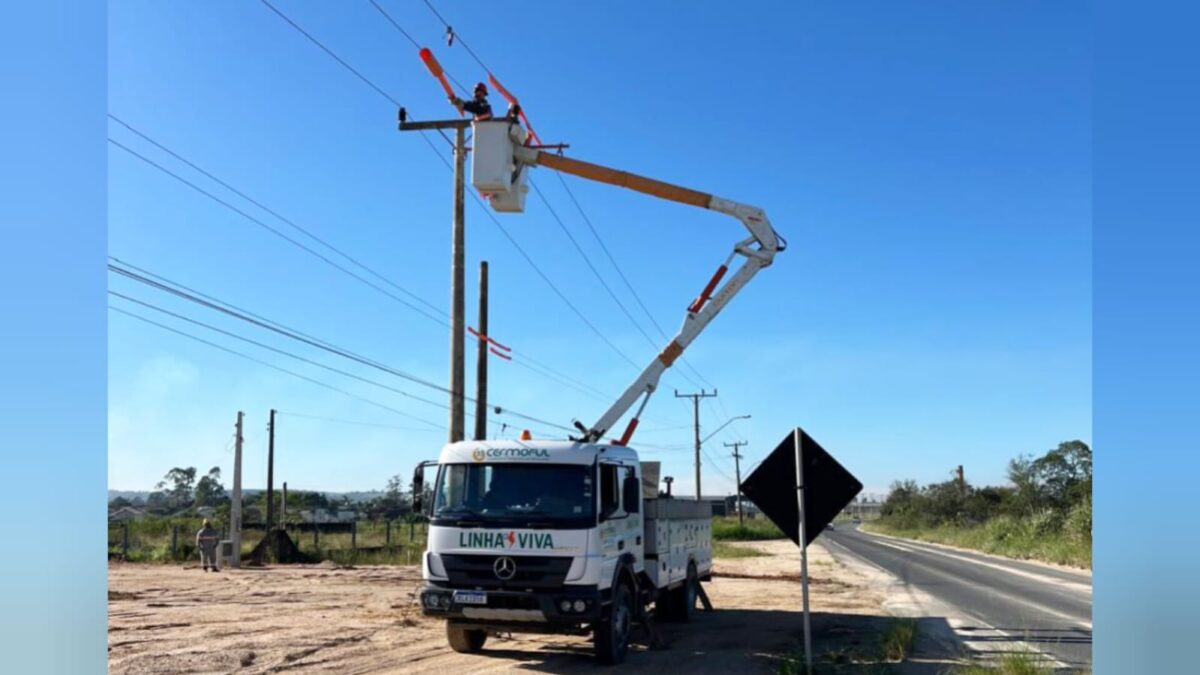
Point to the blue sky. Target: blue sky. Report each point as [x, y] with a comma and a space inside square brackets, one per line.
[929, 165]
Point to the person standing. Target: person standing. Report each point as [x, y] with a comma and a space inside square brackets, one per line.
[207, 540]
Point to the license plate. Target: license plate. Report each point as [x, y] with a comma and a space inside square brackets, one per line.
[470, 598]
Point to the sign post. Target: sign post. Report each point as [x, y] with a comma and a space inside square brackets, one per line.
[808, 660]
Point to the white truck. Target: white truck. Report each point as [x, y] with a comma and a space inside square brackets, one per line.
[559, 537]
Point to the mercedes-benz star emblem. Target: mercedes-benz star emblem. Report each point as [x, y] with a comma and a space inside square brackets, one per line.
[505, 567]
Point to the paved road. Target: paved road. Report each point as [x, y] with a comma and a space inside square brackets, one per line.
[1003, 601]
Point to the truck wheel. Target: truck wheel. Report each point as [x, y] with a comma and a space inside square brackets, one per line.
[612, 633]
[464, 640]
[684, 604]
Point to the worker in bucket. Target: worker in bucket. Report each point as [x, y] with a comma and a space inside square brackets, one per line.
[479, 106]
[206, 540]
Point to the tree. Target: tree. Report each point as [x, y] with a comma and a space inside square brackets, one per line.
[209, 491]
[179, 484]
[1066, 474]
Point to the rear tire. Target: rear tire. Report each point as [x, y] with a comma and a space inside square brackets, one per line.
[464, 640]
[612, 633]
[683, 605]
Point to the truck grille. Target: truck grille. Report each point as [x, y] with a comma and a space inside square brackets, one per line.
[478, 571]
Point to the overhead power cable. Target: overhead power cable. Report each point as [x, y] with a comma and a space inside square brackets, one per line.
[476, 197]
[309, 340]
[276, 214]
[275, 367]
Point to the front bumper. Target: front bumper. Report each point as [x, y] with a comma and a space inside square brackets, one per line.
[528, 608]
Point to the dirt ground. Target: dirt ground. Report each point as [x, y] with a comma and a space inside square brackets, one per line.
[325, 619]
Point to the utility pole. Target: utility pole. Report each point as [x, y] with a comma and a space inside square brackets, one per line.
[481, 363]
[696, 416]
[457, 264]
[270, 472]
[737, 466]
[457, 301]
[283, 507]
[235, 509]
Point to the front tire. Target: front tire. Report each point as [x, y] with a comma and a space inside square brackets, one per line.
[612, 633]
[464, 640]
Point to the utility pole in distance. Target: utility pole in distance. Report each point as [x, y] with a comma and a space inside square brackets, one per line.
[235, 509]
[457, 264]
[270, 472]
[481, 364]
[737, 466]
[696, 416]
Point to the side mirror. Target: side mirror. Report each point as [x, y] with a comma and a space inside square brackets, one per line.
[418, 488]
[631, 494]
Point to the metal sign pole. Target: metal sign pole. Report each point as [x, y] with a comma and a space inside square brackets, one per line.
[808, 660]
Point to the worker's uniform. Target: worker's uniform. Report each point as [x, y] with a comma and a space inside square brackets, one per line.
[206, 540]
[480, 108]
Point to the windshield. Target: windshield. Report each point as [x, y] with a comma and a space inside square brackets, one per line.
[525, 495]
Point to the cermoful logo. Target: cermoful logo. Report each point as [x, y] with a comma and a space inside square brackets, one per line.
[509, 453]
[510, 539]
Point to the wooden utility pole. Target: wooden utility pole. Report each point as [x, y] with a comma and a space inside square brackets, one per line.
[481, 358]
[696, 409]
[235, 509]
[283, 507]
[737, 466]
[270, 472]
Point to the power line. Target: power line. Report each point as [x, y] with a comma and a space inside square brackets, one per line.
[276, 214]
[334, 420]
[274, 367]
[345, 65]
[278, 233]
[301, 337]
[556, 375]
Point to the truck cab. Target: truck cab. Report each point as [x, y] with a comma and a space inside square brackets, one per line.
[557, 537]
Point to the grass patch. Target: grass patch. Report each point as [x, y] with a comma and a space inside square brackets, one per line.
[898, 638]
[1012, 663]
[755, 529]
[1003, 535]
[726, 550]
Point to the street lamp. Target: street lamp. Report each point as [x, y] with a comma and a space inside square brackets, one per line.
[727, 422]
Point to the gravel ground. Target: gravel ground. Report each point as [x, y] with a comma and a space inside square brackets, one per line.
[326, 619]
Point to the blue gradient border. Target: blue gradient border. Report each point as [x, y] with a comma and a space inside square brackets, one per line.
[1146, 339]
[52, 337]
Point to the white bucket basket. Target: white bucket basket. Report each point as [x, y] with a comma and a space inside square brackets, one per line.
[493, 167]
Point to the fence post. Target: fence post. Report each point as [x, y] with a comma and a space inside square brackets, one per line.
[388, 539]
[174, 539]
[411, 534]
[316, 539]
[125, 540]
[354, 535]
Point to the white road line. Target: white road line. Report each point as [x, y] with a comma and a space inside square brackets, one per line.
[1077, 587]
[1074, 620]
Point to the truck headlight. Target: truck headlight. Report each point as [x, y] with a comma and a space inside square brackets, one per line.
[565, 605]
[580, 605]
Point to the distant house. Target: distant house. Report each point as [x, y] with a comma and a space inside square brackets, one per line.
[326, 516]
[125, 514]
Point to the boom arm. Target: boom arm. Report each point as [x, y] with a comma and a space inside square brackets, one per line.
[757, 251]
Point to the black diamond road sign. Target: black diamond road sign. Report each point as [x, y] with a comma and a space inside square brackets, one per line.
[828, 487]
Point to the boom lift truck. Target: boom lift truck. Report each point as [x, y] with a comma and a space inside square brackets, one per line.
[570, 536]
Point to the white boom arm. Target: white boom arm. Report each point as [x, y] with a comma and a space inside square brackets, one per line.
[758, 252]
